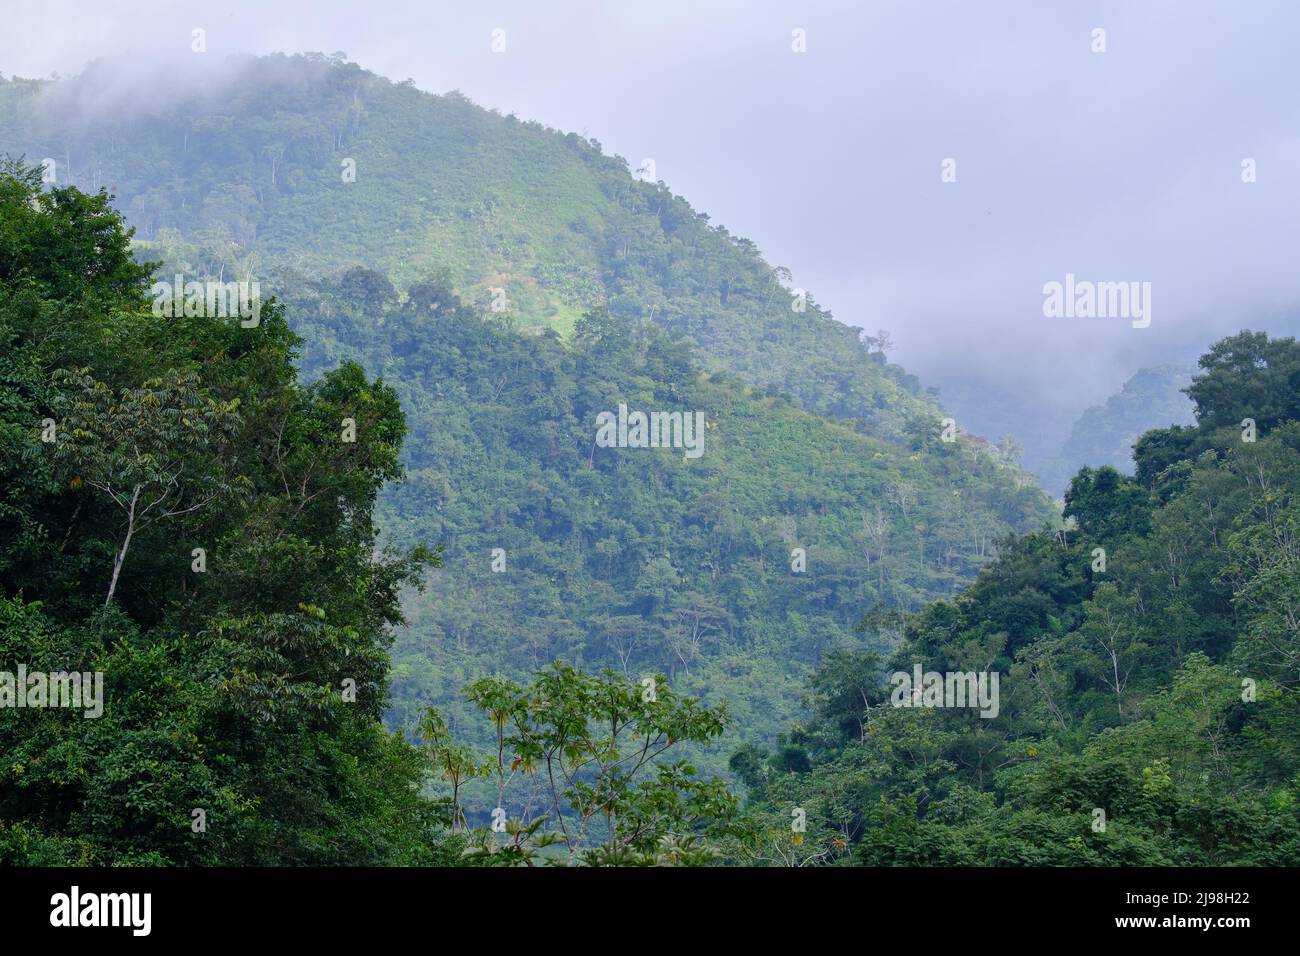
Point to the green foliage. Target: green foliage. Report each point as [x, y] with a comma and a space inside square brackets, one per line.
[1106, 504]
[1148, 704]
[1156, 688]
[67, 245]
[596, 749]
[1248, 375]
[249, 688]
[615, 290]
[1245, 376]
[153, 451]
[641, 560]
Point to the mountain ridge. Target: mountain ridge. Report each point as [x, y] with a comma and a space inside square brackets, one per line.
[444, 189]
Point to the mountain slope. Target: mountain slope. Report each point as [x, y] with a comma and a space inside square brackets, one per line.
[1148, 701]
[618, 293]
[247, 175]
[644, 560]
[1105, 434]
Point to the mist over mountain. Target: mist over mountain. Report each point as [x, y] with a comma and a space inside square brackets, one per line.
[1105, 434]
[301, 166]
[1122, 164]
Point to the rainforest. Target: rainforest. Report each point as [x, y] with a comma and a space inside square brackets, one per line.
[488, 505]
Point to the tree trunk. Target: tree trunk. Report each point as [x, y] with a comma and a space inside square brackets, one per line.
[126, 543]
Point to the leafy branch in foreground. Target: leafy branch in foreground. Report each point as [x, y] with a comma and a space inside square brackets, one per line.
[596, 744]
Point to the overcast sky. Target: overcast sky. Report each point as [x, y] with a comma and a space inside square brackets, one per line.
[1122, 165]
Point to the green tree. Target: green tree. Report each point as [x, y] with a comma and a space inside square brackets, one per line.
[156, 452]
[599, 746]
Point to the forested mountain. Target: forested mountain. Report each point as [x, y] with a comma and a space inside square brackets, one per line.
[391, 499]
[644, 560]
[194, 614]
[279, 168]
[511, 283]
[1105, 434]
[1148, 660]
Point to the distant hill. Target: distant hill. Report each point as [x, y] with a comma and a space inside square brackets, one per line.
[1105, 434]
